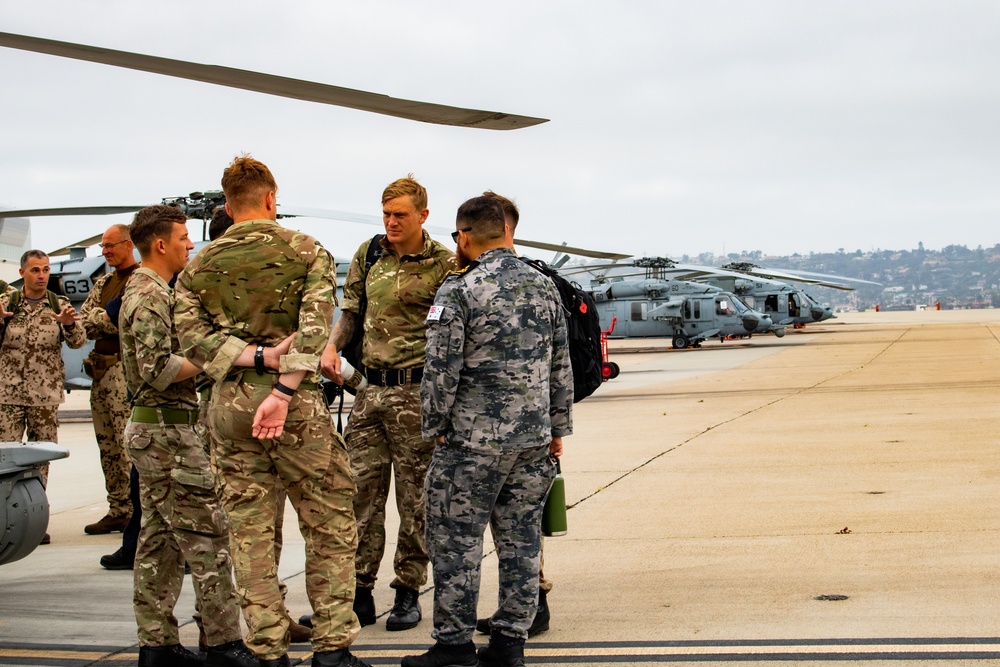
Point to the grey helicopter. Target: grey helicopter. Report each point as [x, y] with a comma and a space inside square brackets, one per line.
[24, 508]
[644, 300]
[765, 289]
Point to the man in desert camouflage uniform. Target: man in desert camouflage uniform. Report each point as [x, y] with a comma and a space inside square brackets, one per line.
[254, 286]
[383, 435]
[108, 403]
[183, 520]
[31, 366]
[497, 397]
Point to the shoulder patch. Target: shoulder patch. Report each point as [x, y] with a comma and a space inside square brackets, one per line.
[435, 313]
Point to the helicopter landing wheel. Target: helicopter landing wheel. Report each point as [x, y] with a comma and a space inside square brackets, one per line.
[680, 342]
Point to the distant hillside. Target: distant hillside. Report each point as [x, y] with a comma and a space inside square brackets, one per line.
[955, 276]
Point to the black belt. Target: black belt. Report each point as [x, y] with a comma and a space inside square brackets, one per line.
[393, 377]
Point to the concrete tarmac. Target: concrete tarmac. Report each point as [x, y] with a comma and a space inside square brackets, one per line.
[826, 497]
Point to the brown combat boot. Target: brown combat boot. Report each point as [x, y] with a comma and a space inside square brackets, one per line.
[109, 524]
[299, 633]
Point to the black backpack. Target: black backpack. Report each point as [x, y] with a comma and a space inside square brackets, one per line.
[583, 329]
[352, 350]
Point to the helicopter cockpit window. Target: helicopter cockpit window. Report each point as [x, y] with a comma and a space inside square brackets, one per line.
[793, 305]
[723, 307]
[638, 311]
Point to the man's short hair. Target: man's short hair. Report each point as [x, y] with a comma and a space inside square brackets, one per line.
[154, 222]
[32, 254]
[245, 182]
[406, 187]
[483, 217]
[510, 211]
[221, 221]
[122, 230]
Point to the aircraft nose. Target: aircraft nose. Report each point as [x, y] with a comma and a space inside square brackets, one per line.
[818, 313]
[750, 322]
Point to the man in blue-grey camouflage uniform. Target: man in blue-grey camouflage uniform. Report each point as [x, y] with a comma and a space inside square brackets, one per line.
[497, 394]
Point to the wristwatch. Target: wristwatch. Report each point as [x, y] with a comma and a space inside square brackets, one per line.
[258, 360]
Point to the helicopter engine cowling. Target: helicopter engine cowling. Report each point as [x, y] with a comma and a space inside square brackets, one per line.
[24, 508]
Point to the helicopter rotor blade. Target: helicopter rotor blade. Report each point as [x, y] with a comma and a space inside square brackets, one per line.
[583, 252]
[71, 210]
[270, 84]
[327, 214]
[84, 243]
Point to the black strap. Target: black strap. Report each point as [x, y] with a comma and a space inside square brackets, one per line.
[258, 360]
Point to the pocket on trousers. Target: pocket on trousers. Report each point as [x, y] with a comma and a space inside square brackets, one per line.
[198, 479]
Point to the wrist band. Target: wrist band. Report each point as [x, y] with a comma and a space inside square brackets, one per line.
[258, 360]
[283, 389]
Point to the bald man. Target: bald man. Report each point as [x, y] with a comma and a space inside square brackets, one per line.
[108, 402]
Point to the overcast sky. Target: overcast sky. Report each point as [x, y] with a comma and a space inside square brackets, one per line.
[676, 127]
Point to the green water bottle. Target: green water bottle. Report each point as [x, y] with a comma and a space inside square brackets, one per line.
[554, 513]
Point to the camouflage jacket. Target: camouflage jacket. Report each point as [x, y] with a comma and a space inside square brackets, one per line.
[498, 372]
[400, 291]
[256, 284]
[31, 366]
[150, 351]
[92, 312]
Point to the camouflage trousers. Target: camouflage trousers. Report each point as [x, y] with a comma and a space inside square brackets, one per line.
[39, 423]
[383, 438]
[310, 461]
[182, 520]
[110, 410]
[467, 490]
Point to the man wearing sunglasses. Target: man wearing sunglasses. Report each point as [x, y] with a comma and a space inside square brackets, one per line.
[497, 394]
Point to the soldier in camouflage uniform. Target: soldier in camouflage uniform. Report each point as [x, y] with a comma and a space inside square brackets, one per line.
[383, 435]
[511, 218]
[497, 396]
[255, 285]
[183, 519]
[31, 365]
[108, 403]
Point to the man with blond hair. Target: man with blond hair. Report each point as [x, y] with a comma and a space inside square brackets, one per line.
[251, 288]
[383, 434]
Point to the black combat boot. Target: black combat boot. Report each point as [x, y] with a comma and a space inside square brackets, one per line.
[445, 655]
[173, 655]
[283, 661]
[502, 651]
[339, 658]
[405, 611]
[364, 606]
[541, 621]
[231, 654]
[119, 560]
[538, 625]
